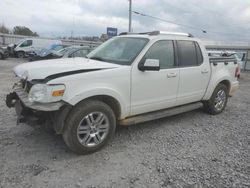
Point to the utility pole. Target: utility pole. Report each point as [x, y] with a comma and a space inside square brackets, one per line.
[130, 16]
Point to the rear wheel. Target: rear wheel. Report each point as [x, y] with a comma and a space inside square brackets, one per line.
[89, 127]
[6, 54]
[218, 101]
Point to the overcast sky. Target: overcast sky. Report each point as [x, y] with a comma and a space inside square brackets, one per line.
[222, 19]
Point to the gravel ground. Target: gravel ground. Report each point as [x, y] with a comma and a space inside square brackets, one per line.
[189, 150]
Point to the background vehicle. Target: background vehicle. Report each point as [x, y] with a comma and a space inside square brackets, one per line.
[10, 48]
[46, 53]
[229, 54]
[3, 53]
[32, 44]
[128, 79]
[68, 52]
[237, 57]
[76, 51]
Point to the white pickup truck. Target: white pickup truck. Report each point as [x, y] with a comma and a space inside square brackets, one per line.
[129, 79]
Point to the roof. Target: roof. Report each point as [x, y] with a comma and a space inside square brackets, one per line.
[160, 35]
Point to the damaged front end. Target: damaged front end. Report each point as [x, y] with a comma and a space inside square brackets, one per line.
[24, 114]
[34, 113]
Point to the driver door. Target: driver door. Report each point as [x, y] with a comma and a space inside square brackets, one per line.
[155, 90]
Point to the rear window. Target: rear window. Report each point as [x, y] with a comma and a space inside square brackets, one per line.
[189, 54]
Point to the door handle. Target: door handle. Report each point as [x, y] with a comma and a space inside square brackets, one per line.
[171, 74]
[204, 71]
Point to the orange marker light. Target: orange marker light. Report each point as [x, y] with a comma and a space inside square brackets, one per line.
[58, 93]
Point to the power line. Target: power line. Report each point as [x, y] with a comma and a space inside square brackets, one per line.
[183, 25]
[168, 21]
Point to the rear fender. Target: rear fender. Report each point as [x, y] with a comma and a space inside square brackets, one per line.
[213, 84]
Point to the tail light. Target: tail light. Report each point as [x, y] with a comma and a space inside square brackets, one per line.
[237, 72]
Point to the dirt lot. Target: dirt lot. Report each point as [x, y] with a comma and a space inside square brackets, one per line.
[189, 150]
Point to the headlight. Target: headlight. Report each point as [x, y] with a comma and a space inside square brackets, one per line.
[46, 93]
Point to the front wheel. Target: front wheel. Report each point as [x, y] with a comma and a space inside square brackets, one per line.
[218, 101]
[20, 54]
[89, 126]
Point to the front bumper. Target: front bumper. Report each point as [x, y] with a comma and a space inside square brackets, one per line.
[19, 93]
[37, 113]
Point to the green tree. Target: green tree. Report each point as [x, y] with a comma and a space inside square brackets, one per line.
[4, 29]
[22, 30]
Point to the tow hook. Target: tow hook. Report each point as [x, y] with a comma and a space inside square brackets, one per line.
[11, 99]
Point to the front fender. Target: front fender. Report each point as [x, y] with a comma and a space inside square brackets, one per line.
[123, 102]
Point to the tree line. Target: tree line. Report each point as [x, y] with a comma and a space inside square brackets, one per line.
[18, 30]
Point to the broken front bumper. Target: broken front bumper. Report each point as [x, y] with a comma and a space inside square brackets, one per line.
[34, 112]
[19, 93]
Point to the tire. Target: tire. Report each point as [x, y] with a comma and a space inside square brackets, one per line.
[1, 56]
[20, 54]
[6, 54]
[89, 126]
[218, 101]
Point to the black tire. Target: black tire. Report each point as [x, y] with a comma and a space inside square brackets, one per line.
[6, 54]
[81, 113]
[1, 56]
[210, 105]
[20, 54]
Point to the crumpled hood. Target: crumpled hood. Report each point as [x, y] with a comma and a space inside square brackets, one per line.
[45, 68]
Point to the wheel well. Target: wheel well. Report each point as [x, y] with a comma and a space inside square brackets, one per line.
[226, 83]
[112, 102]
[20, 51]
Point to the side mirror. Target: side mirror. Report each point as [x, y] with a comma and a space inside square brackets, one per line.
[150, 65]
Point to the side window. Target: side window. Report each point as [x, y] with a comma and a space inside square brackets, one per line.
[26, 43]
[163, 51]
[187, 53]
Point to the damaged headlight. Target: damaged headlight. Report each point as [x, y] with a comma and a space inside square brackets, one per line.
[46, 93]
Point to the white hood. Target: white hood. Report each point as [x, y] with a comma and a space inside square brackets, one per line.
[45, 68]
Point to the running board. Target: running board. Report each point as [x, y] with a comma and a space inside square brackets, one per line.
[160, 114]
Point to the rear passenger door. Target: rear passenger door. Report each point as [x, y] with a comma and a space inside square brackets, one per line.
[194, 72]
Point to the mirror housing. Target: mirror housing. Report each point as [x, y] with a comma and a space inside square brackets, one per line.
[150, 65]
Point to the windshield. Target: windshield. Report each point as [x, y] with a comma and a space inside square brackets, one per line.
[19, 42]
[119, 50]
